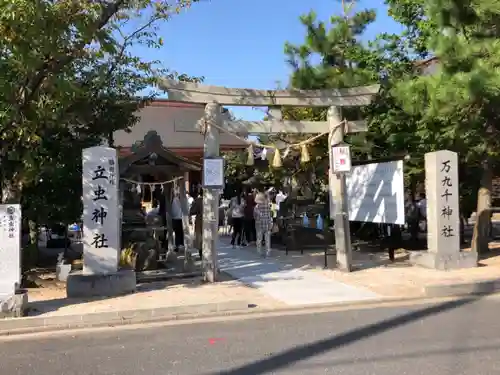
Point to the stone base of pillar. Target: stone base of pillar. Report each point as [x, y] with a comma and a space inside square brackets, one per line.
[111, 285]
[171, 256]
[444, 262]
[188, 265]
[14, 306]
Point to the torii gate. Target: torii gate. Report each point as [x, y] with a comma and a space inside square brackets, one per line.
[215, 96]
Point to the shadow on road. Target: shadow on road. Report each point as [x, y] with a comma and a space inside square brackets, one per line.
[292, 356]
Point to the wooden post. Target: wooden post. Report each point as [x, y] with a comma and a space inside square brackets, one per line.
[188, 243]
[212, 115]
[171, 256]
[338, 196]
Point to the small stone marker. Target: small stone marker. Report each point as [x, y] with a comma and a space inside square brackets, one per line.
[443, 215]
[101, 215]
[10, 249]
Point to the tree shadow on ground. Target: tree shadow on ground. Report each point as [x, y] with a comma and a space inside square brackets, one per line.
[52, 293]
[494, 251]
[289, 358]
[365, 255]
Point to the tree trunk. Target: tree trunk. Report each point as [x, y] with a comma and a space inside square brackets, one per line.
[33, 232]
[462, 229]
[31, 251]
[480, 237]
[305, 183]
[110, 139]
[294, 187]
[11, 192]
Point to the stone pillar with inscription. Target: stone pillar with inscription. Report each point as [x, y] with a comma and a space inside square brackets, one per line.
[101, 247]
[101, 229]
[10, 249]
[13, 300]
[443, 215]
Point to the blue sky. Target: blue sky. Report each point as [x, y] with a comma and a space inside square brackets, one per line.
[239, 43]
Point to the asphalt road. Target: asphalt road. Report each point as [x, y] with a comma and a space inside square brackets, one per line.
[448, 338]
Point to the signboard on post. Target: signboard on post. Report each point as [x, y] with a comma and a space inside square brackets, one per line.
[10, 248]
[213, 173]
[376, 193]
[341, 158]
[101, 217]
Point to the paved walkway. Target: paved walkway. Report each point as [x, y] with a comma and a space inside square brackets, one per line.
[177, 294]
[291, 286]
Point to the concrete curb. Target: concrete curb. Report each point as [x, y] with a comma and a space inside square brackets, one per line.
[463, 289]
[146, 278]
[433, 293]
[25, 325]
[20, 326]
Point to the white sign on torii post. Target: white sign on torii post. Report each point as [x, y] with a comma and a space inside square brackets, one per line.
[341, 158]
[214, 97]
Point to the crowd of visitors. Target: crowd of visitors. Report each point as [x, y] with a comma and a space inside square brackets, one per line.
[249, 215]
[251, 218]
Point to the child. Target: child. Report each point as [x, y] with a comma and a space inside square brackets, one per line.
[263, 223]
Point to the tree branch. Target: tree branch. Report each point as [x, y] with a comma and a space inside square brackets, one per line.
[53, 65]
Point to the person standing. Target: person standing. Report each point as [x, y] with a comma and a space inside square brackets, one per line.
[190, 201]
[249, 220]
[236, 209]
[177, 222]
[422, 208]
[263, 223]
[412, 212]
[197, 211]
[280, 197]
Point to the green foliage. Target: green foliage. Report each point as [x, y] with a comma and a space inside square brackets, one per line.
[343, 58]
[463, 95]
[237, 172]
[69, 80]
[455, 108]
[418, 27]
[344, 61]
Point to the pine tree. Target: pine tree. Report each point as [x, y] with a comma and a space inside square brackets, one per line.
[464, 95]
[332, 56]
[340, 50]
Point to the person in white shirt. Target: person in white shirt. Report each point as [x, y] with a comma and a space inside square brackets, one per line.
[236, 209]
[177, 222]
[280, 197]
[190, 199]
